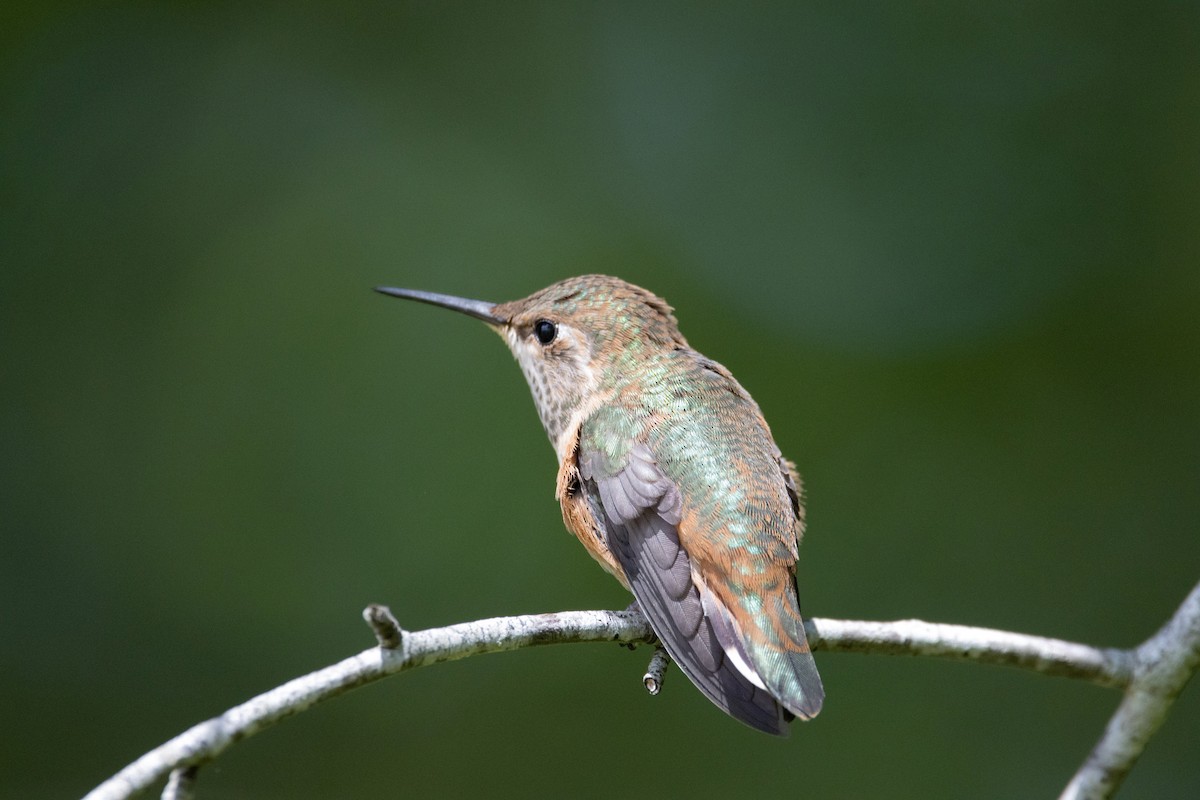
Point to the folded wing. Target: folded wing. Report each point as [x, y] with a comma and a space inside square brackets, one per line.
[639, 509]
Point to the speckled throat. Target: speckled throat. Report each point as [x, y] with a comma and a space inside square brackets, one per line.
[558, 392]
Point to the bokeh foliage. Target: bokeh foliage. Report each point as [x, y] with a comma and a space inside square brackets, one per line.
[952, 249]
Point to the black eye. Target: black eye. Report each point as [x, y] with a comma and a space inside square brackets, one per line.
[545, 331]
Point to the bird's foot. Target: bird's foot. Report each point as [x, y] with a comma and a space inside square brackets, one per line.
[634, 608]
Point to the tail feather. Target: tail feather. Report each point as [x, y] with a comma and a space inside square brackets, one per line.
[659, 574]
[780, 662]
[788, 666]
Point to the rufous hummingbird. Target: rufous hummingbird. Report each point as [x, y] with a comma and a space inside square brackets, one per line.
[670, 478]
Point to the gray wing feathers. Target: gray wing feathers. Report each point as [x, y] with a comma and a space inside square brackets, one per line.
[640, 511]
[636, 488]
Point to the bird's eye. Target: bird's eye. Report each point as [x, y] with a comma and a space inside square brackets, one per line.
[545, 331]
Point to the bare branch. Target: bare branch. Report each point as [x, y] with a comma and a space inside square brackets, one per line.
[1165, 663]
[181, 785]
[388, 632]
[204, 742]
[657, 671]
[1107, 667]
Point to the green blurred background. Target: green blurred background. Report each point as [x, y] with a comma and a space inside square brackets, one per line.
[952, 249]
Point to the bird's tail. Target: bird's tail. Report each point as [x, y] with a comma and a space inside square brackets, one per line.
[771, 649]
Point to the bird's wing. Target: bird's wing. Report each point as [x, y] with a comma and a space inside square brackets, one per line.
[639, 509]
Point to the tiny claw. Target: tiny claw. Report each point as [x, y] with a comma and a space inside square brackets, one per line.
[634, 608]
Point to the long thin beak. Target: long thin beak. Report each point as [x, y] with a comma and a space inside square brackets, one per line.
[473, 308]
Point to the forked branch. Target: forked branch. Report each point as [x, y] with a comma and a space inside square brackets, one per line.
[1162, 666]
[1152, 676]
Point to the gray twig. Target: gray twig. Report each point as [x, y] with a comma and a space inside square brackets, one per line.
[181, 785]
[657, 671]
[387, 630]
[1153, 673]
[1163, 665]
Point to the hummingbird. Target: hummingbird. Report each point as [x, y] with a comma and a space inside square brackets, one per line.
[670, 478]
